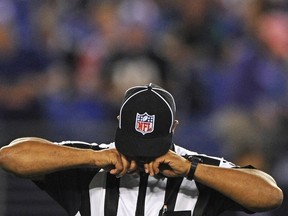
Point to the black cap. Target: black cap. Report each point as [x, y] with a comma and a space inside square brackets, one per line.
[146, 121]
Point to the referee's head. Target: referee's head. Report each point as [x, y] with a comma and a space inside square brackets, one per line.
[146, 122]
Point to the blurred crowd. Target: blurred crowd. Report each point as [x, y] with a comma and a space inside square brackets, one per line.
[64, 66]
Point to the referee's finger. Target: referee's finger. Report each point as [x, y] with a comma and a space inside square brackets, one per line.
[126, 165]
[149, 168]
[154, 167]
[116, 171]
[117, 162]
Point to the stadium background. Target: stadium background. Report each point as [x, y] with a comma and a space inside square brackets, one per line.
[65, 64]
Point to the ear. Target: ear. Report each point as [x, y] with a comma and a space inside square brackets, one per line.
[175, 124]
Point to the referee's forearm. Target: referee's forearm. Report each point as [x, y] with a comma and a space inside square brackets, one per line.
[251, 188]
[28, 157]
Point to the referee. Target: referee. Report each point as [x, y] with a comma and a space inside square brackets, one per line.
[142, 173]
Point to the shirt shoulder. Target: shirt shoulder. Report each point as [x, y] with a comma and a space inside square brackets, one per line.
[207, 159]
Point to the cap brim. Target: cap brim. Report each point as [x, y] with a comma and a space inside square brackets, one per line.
[142, 147]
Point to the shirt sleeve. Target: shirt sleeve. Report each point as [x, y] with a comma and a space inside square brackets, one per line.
[219, 203]
[69, 187]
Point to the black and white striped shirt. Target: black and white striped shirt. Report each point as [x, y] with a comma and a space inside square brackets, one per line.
[94, 192]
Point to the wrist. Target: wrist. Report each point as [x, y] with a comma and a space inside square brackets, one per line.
[92, 158]
[194, 161]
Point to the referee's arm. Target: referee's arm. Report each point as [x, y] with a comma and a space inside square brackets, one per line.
[251, 188]
[33, 158]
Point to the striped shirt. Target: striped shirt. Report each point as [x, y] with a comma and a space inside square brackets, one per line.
[94, 192]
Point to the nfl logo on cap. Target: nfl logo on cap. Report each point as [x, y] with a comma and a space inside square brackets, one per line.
[144, 123]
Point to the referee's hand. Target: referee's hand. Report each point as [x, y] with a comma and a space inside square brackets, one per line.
[113, 162]
[170, 165]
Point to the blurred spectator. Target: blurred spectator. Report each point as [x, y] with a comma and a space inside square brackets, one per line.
[22, 77]
[133, 64]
